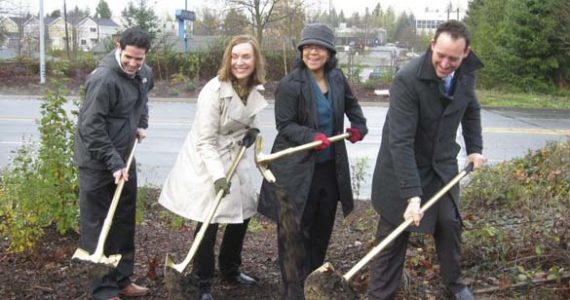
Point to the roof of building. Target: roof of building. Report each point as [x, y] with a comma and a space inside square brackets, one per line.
[107, 22]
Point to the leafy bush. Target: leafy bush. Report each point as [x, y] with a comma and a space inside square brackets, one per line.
[538, 180]
[516, 217]
[358, 174]
[40, 184]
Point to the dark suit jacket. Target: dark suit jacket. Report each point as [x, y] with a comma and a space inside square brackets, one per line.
[419, 151]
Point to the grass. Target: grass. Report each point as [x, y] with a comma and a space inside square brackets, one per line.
[494, 98]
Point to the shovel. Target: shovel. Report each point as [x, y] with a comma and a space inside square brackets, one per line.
[106, 263]
[317, 285]
[174, 273]
[262, 160]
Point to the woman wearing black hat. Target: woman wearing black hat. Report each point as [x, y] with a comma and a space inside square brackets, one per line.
[310, 104]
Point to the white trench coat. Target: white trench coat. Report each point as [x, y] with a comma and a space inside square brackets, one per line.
[211, 145]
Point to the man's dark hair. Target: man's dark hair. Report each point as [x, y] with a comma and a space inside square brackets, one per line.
[456, 29]
[136, 37]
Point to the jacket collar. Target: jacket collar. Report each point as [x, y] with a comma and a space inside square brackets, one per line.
[255, 101]
[426, 71]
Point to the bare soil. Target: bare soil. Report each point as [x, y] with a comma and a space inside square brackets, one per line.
[45, 273]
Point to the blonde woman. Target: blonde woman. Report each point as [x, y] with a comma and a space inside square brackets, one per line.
[226, 110]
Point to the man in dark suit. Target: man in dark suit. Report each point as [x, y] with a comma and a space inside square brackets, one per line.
[429, 98]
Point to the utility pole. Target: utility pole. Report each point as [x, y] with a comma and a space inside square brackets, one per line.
[185, 33]
[42, 45]
[66, 31]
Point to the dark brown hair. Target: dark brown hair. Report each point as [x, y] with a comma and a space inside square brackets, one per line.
[456, 29]
[225, 71]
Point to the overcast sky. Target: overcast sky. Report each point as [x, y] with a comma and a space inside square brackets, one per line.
[163, 7]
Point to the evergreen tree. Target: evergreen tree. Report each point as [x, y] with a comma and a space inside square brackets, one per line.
[486, 21]
[333, 18]
[523, 43]
[102, 11]
[341, 17]
[55, 14]
[143, 16]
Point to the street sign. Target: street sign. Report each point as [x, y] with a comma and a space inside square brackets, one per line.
[183, 14]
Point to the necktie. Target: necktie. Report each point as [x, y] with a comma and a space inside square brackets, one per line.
[447, 84]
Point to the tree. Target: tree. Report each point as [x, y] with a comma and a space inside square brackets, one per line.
[55, 14]
[341, 17]
[261, 12]
[389, 21]
[208, 23]
[522, 43]
[531, 37]
[102, 11]
[235, 23]
[77, 14]
[143, 16]
[377, 12]
[405, 29]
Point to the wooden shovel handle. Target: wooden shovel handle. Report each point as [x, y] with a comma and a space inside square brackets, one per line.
[405, 224]
[307, 146]
[113, 207]
[198, 240]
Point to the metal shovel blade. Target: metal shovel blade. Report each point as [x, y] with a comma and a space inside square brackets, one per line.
[82, 255]
[325, 283]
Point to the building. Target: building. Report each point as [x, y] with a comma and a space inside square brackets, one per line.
[89, 31]
[31, 35]
[11, 29]
[359, 37]
[56, 33]
[427, 21]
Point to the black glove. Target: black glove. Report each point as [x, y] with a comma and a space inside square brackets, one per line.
[222, 184]
[249, 137]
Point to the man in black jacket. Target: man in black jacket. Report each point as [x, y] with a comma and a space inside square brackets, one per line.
[429, 98]
[114, 113]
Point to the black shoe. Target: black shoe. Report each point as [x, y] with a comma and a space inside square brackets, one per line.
[241, 278]
[206, 296]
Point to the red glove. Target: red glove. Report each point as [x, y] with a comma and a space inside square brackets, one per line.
[321, 137]
[355, 135]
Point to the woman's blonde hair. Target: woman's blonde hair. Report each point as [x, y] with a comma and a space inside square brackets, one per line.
[225, 71]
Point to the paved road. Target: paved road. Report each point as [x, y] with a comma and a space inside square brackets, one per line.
[508, 133]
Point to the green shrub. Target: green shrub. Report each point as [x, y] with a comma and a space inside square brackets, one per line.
[358, 174]
[40, 184]
[516, 217]
[539, 179]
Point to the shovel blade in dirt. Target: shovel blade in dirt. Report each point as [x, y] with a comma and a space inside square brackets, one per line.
[82, 255]
[327, 284]
[180, 285]
[319, 288]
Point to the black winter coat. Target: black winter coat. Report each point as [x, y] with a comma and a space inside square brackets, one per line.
[418, 152]
[115, 105]
[297, 124]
